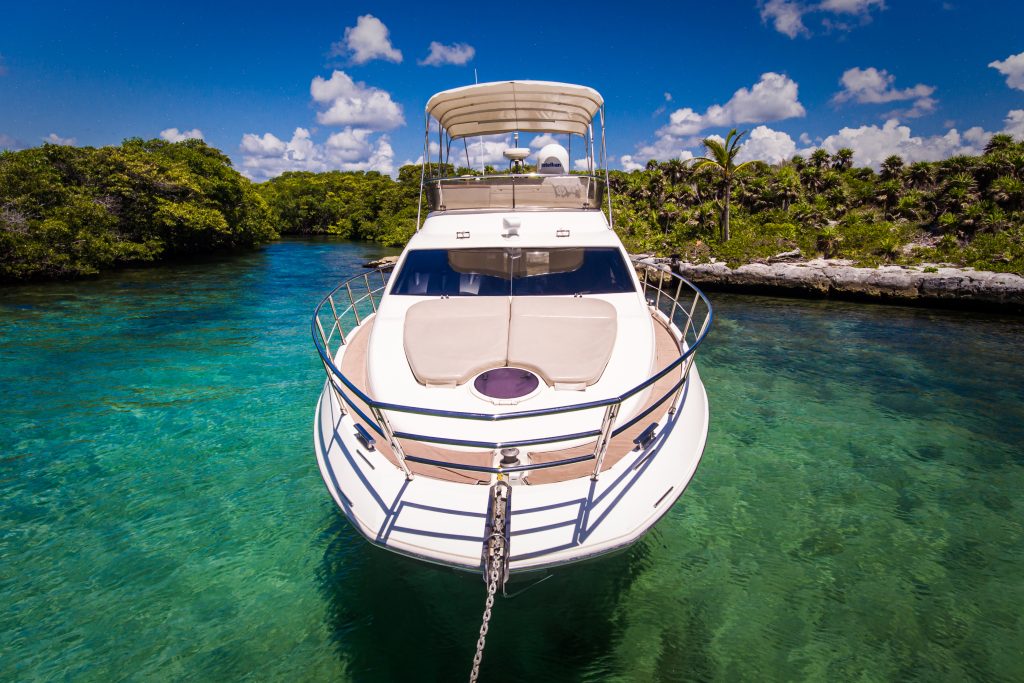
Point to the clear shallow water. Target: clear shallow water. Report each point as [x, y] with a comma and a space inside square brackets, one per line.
[857, 513]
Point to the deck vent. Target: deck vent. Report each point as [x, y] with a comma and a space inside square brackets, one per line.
[562, 232]
[462, 235]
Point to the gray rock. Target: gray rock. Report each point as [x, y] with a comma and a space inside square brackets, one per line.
[386, 262]
[886, 283]
[786, 257]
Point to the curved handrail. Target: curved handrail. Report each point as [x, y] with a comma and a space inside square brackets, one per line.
[322, 342]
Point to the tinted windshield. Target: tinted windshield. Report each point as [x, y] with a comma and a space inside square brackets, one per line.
[514, 271]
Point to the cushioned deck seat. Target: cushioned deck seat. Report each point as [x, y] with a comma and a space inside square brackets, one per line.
[449, 341]
[567, 341]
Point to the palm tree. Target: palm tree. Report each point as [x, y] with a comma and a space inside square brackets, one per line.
[998, 143]
[722, 158]
[820, 158]
[892, 167]
[921, 175]
[843, 159]
[676, 170]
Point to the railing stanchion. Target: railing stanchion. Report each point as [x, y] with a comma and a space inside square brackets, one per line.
[657, 299]
[337, 394]
[689, 317]
[337, 320]
[351, 300]
[369, 291]
[389, 434]
[610, 413]
[675, 302]
[324, 337]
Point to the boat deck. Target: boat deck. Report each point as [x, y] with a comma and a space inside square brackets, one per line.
[353, 366]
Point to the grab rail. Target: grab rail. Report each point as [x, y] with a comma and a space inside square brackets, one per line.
[364, 305]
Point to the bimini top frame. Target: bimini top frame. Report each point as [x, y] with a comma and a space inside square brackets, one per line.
[507, 107]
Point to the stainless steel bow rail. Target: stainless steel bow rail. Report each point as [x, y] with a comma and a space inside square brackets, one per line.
[690, 317]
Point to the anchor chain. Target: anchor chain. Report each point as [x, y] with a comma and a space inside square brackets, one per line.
[495, 564]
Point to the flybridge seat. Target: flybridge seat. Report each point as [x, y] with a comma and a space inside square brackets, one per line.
[566, 341]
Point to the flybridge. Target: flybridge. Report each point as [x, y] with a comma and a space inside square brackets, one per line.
[512, 107]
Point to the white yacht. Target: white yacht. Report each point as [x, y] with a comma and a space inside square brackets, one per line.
[515, 394]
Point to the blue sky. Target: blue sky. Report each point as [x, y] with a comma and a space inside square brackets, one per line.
[281, 86]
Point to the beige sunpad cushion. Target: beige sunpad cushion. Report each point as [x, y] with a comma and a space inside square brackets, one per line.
[449, 341]
[567, 341]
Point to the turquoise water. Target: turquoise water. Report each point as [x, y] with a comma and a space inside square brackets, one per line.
[857, 514]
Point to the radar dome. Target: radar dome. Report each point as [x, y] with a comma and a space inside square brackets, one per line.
[553, 160]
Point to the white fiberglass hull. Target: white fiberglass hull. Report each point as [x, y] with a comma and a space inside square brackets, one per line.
[551, 524]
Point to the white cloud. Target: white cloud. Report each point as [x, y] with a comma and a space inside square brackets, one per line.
[875, 86]
[787, 16]
[7, 142]
[1015, 124]
[1013, 68]
[771, 146]
[55, 139]
[805, 139]
[487, 150]
[628, 163]
[850, 6]
[175, 135]
[544, 139]
[457, 53]
[872, 144]
[267, 146]
[664, 148]
[582, 164]
[349, 150]
[772, 98]
[366, 41]
[354, 103]
[350, 145]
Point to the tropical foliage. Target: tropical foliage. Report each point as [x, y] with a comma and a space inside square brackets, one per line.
[356, 205]
[721, 157]
[73, 211]
[963, 210]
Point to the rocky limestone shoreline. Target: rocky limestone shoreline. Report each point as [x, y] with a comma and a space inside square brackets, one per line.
[930, 285]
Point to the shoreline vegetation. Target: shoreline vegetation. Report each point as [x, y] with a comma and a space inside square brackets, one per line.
[70, 212]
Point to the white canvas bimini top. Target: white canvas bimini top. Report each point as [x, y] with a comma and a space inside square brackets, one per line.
[507, 106]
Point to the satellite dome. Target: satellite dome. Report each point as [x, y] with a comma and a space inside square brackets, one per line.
[553, 160]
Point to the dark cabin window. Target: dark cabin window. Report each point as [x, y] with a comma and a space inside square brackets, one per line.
[526, 271]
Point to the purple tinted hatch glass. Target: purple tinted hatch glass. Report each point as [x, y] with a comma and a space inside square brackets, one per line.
[506, 383]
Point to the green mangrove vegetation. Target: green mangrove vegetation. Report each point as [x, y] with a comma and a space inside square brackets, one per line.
[69, 212]
[74, 211]
[352, 204]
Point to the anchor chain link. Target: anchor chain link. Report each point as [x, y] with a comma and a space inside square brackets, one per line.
[492, 590]
[495, 562]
